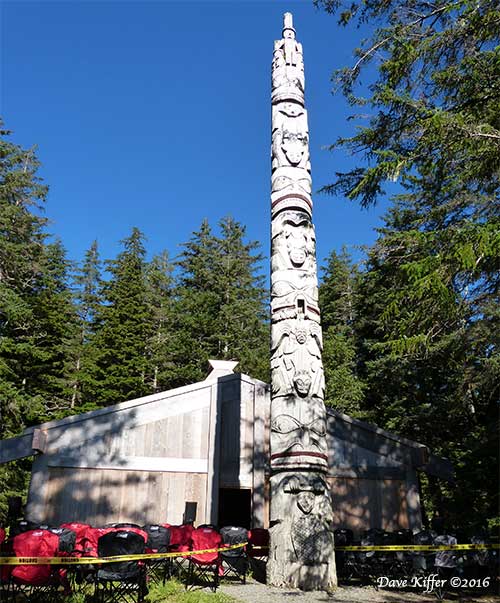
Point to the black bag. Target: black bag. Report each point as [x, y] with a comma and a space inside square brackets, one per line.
[67, 539]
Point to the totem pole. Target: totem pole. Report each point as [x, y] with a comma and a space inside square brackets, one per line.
[301, 550]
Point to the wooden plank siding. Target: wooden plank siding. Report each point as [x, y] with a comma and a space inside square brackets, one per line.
[106, 495]
[360, 504]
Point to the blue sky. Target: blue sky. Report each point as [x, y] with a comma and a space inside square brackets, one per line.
[157, 115]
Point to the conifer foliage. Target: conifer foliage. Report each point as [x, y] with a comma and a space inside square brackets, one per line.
[221, 302]
[427, 320]
[338, 301]
[37, 317]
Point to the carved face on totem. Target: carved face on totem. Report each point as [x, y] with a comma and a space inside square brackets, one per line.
[286, 180]
[302, 381]
[311, 529]
[294, 244]
[294, 146]
[291, 434]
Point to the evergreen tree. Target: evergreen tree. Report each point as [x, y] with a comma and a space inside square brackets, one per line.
[119, 348]
[161, 373]
[89, 300]
[49, 379]
[220, 303]
[338, 300]
[21, 252]
[36, 313]
[428, 314]
[196, 306]
[242, 327]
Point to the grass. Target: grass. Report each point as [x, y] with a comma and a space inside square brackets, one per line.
[174, 592]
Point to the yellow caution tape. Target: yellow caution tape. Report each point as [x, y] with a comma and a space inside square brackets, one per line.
[421, 547]
[115, 559]
[141, 557]
[409, 547]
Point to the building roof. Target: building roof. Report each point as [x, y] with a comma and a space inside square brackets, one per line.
[341, 428]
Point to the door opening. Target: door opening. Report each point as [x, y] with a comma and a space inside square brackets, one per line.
[235, 507]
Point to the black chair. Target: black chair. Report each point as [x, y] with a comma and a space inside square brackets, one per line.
[343, 559]
[423, 562]
[158, 542]
[123, 581]
[234, 561]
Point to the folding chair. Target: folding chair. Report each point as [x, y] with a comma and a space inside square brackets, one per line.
[204, 567]
[158, 541]
[5, 570]
[343, 559]
[37, 582]
[123, 581]
[79, 575]
[258, 544]
[423, 562]
[234, 561]
[180, 541]
[445, 562]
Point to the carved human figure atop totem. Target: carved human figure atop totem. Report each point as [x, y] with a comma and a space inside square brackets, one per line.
[288, 67]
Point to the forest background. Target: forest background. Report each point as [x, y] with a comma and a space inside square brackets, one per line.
[410, 333]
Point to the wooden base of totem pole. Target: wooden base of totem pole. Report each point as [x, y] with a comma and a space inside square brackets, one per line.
[301, 553]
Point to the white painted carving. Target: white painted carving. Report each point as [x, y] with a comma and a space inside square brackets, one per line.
[301, 548]
[294, 245]
[296, 359]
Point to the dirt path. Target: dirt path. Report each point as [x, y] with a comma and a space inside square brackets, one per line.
[255, 592]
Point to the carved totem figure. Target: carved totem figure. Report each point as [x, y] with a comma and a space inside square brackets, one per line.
[301, 549]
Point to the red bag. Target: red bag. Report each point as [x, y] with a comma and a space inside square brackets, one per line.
[89, 540]
[80, 529]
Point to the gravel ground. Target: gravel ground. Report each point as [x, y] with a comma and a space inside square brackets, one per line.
[255, 592]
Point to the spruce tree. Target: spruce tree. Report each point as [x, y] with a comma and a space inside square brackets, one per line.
[161, 372]
[338, 300]
[36, 312]
[196, 306]
[22, 196]
[119, 347]
[89, 300]
[242, 326]
[220, 303]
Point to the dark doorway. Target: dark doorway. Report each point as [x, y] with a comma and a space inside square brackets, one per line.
[235, 507]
